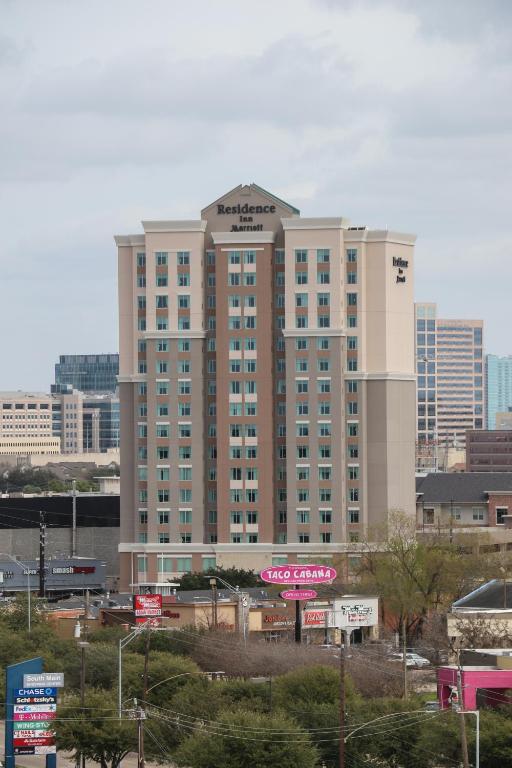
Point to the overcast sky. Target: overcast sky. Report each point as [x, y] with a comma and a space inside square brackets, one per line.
[392, 113]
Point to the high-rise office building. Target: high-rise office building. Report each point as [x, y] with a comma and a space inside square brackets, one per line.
[498, 375]
[85, 423]
[267, 387]
[88, 373]
[450, 386]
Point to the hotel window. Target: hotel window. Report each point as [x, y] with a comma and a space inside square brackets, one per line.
[352, 278]
[162, 366]
[184, 564]
[162, 323]
[322, 343]
[303, 517]
[161, 281]
[323, 386]
[184, 430]
[301, 321]
[162, 454]
[323, 278]
[142, 367]
[162, 474]
[352, 386]
[352, 321]
[301, 365]
[249, 278]
[352, 255]
[163, 518]
[162, 410]
[279, 256]
[141, 259]
[325, 537]
[323, 255]
[353, 452]
[234, 257]
[280, 279]
[161, 258]
[141, 281]
[252, 518]
[250, 322]
[324, 451]
[183, 258]
[142, 563]
[323, 364]
[185, 516]
[353, 430]
[236, 538]
[352, 409]
[249, 257]
[500, 513]
[303, 538]
[324, 473]
[353, 494]
[142, 388]
[162, 345]
[352, 299]
[301, 386]
[302, 430]
[302, 473]
[353, 516]
[163, 496]
[162, 301]
[184, 301]
[143, 518]
[324, 407]
[323, 299]
[163, 538]
[185, 495]
[302, 452]
[280, 300]
[185, 473]
[211, 281]
[352, 364]
[302, 408]
[301, 299]
[141, 302]
[183, 366]
[301, 256]
[251, 387]
[324, 430]
[251, 497]
[234, 278]
[250, 300]
[235, 366]
[234, 300]
[301, 343]
[352, 342]
[353, 473]
[325, 516]
[249, 366]
[183, 345]
[301, 278]
[324, 495]
[324, 321]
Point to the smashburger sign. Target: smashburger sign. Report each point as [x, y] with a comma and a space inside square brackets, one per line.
[298, 574]
[147, 605]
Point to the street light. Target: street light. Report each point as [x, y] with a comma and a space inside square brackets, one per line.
[26, 569]
[123, 642]
[476, 713]
[382, 717]
[182, 674]
[82, 644]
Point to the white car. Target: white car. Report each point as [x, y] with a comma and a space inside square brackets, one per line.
[411, 660]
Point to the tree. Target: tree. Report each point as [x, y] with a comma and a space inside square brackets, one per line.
[161, 667]
[237, 577]
[96, 732]
[247, 738]
[416, 577]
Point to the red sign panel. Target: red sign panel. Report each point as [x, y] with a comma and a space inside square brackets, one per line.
[45, 741]
[147, 605]
[150, 621]
[314, 618]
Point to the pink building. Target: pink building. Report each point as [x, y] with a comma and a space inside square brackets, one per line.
[489, 681]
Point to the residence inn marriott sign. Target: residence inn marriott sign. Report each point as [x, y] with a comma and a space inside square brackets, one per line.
[266, 361]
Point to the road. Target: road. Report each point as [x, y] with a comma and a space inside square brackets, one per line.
[64, 761]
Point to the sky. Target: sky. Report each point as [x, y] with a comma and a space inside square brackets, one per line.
[393, 113]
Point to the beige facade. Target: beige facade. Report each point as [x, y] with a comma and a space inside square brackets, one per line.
[450, 390]
[26, 424]
[267, 387]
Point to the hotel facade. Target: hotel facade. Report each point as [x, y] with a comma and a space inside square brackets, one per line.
[267, 388]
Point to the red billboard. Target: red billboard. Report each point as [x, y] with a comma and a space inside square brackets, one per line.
[147, 605]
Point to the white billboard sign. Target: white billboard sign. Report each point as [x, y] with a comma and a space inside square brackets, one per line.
[354, 612]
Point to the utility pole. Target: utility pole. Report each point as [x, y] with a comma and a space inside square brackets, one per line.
[404, 652]
[42, 544]
[73, 529]
[298, 620]
[463, 737]
[215, 597]
[451, 521]
[140, 716]
[83, 645]
[342, 702]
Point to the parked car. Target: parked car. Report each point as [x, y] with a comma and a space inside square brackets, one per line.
[431, 706]
[413, 660]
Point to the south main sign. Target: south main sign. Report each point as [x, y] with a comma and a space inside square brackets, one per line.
[245, 213]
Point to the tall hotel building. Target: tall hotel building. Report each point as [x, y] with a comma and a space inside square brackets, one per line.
[267, 387]
[450, 392]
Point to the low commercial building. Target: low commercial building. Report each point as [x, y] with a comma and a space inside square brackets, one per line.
[446, 501]
[97, 528]
[484, 613]
[62, 575]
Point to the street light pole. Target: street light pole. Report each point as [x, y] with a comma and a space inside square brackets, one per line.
[82, 645]
[476, 713]
[123, 642]
[241, 604]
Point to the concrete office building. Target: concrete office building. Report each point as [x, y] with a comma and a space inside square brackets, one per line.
[88, 373]
[498, 375]
[450, 387]
[267, 387]
[26, 424]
